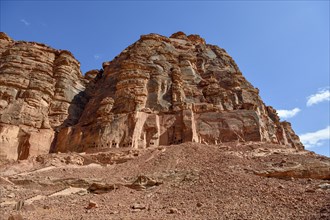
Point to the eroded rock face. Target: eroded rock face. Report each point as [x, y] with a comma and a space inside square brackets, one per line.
[41, 90]
[158, 91]
[163, 91]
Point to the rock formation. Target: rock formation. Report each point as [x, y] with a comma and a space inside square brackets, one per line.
[158, 91]
[41, 89]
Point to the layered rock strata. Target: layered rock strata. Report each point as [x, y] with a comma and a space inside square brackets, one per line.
[41, 90]
[164, 91]
[158, 91]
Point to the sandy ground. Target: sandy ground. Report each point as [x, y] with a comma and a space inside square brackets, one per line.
[187, 181]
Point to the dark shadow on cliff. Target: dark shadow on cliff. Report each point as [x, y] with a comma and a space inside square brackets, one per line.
[76, 108]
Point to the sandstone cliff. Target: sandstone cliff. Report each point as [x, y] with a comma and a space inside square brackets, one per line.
[158, 91]
[163, 91]
[40, 91]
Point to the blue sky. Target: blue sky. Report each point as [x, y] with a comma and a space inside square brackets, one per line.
[282, 47]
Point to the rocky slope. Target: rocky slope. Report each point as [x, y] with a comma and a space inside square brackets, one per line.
[187, 181]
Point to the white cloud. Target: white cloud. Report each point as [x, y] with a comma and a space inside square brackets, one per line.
[97, 56]
[322, 96]
[284, 114]
[315, 139]
[25, 22]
